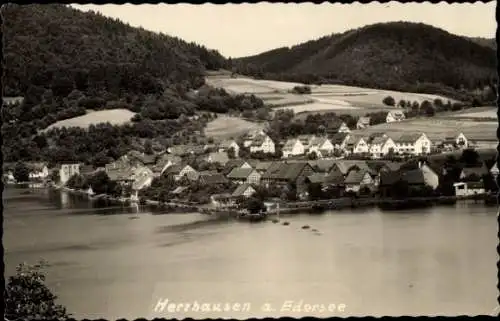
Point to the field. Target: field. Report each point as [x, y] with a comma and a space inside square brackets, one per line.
[435, 127]
[225, 127]
[325, 98]
[484, 112]
[113, 116]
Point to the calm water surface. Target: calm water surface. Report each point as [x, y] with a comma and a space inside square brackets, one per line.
[118, 262]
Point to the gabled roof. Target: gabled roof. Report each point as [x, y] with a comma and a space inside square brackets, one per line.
[284, 171]
[338, 138]
[355, 177]
[227, 143]
[241, 189]
[213, 179]
[240, 173]
[335, 179]
[379, 140]
[290, 144]
[318, 141]
[389, 178]
[345, 165]
[317, 178]
[323, 165]
[120, 174]
[142, 157]
[263, 166]
[219, 157]
[259, 140]
[413, 177]
[408, 138]
[175, 169]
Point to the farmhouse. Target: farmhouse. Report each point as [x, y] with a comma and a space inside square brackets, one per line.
[413, 144]
[322, 146]
[142, 178]
[343, 167]
[179, 171]
[244, 175]
[339, 140]
[251, 135]
[358, 145]
[363, 122]
[288, 173]
[293, 147]
[138, 158]
[394, 116]
[163, 162]
[212, 179]
[244, 190]
[356, 180]
[235, 163]
[226, 145]
[262, 143]
[306, 140]
[381, 146]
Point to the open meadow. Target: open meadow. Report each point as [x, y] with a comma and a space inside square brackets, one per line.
[435, 127]
[323, 98]
[224, 127]
[482, 112]
[113, 116]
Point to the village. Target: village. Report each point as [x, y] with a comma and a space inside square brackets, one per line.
[337, 164]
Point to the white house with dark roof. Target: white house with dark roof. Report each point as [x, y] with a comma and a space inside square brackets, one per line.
[413, 144]
[262, 143]
[394, 115]
[322, 146]
[228, 144]
[293, 147]
[381, 146]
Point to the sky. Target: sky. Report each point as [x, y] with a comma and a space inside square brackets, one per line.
[238, 30]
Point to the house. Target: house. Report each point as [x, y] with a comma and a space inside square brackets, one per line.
[212, 179]
[413, 144]
[360, 146]
[163, 162]
[418, 177]
[356, 180]
[469, 188]
[223, 200]
[363, 122]
[262, 167]
[179, 171]
[122, 176]
[226, 145]
[217, 157]
[337, 126]
[251, 135]
[262, 143]
[343, 167]
[143, 159]
[306, 140]
[38, 170]
[293, 147]
[142, 178]
[394, 116]
[322, 165]
[68, 170]
[235, 163]
[285, 173]
[462, 141]
[244, 175]
[322, 146]
[244, 190]
[381, 146]
[339, 140]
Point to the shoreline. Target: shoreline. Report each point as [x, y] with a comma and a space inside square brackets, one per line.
[288, 208]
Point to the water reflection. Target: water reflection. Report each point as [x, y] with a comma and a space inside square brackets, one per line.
[115, 262]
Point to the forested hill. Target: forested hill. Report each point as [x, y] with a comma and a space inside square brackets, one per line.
[396, 55]
[54, 43]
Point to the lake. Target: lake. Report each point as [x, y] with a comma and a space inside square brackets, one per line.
[120, 262]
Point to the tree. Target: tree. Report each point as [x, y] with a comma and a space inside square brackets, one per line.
[100, 183]
[425, 107]
[21, 172]
[315, 192]
[402, 103]
[148, 147]
[429, 110]
[438, 103]
[389, 101]
[470, 157]
[28, 298]
[255, 205]
[312, 155]
[231, 153]
[54, 176]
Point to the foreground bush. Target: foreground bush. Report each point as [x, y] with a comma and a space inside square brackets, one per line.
[28, 298]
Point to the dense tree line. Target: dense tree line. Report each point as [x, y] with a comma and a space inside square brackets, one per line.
[400, 56]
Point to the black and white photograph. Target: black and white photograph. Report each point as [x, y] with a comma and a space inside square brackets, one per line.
[249, 160]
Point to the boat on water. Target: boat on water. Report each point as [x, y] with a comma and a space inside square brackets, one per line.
[253, 217]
